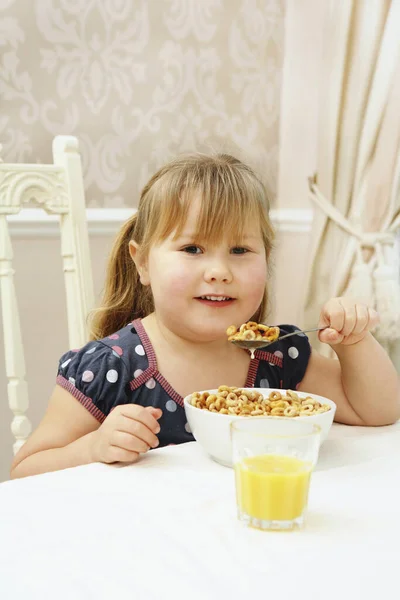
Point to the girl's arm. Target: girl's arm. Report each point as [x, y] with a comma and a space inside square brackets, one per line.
[62, 439]
[363, 382]
[69, 436]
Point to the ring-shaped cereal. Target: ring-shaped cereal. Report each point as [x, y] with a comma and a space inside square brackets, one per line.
[211, 399]
[309, 400]
[275, 396]
[279, 404]
[289, 411]
[231, 330]
[249, 335]
[277, 412]
[306, 409]
[272, 333]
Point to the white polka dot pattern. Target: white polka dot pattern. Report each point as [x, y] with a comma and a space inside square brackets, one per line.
[71, 380]
[278, 353]
[140, 350]
[264, 383]
[187, 428]
[293, 352]
[151, 383]
[112, 376]
[91, 350]
[65, 363]
[87, 376]
[171, 406]
[137, 373]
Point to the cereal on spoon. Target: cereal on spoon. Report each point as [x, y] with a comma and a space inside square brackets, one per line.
[252, 331]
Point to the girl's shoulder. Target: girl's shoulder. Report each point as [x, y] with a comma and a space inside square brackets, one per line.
[124, 347]
[285, 363]
[101, 373]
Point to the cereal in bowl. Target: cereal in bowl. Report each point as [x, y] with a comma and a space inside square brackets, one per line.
[246, 403]
[252, 331]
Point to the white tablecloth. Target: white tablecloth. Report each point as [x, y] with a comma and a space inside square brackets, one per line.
[166, 527]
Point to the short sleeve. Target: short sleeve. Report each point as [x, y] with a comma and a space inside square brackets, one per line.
[295, 352]
[96, 376]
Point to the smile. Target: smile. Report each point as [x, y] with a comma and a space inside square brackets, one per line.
[215, 298]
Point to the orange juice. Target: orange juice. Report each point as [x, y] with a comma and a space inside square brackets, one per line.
[272, 487]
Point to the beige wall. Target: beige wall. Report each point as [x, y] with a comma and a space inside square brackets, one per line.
[138, 82]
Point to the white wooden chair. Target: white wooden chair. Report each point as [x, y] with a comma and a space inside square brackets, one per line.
[58, 189]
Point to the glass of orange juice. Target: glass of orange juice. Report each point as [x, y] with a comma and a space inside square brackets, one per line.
[273, 459]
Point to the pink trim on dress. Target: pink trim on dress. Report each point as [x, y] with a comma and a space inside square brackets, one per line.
[84, 400]
[271, 358]
[147, 345]
[252, 373]
[169, 389]
[151, 370]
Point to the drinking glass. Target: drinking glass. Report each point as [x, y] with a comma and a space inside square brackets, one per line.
[273, 458]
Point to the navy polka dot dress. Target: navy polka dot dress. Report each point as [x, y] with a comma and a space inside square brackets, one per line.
[122, 369]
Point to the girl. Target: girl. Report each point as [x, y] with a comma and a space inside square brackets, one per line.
[191, 262]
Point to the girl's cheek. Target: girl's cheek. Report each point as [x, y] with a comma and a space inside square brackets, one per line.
[178, 283]
[256, 280]
[256, 273]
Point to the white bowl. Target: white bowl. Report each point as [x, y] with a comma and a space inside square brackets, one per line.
[212, 430]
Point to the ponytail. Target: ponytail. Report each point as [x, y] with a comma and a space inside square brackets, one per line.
[124, 297]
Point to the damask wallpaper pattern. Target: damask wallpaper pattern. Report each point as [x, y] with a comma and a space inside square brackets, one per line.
[139, 81]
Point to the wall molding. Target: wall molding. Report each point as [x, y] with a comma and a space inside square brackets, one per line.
[36, 223]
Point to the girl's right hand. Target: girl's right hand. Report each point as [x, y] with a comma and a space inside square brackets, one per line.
[128, 431]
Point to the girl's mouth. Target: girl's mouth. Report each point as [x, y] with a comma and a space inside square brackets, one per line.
[217, 301]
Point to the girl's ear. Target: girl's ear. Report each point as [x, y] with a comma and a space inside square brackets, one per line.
[141, 265]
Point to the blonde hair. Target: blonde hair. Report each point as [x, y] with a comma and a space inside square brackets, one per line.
[231, 197]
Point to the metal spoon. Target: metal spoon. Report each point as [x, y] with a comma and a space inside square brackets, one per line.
[254, 345]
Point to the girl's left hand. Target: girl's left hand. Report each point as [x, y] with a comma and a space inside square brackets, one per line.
[348, 322]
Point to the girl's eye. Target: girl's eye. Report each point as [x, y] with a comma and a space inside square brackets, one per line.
[192, 250]
[239, 250]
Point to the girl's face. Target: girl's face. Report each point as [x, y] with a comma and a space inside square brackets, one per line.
[199, 290]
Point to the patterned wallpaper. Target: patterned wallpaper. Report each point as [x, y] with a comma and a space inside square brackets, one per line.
[138, 81]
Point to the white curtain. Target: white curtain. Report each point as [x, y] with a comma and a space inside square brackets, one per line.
[356, 191]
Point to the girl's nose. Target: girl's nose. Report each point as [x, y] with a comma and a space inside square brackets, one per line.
[218, 273]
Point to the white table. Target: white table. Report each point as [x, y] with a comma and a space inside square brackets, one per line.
[166, 528]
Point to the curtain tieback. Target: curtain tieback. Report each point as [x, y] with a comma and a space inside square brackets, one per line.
[366, 239]
[376, 282]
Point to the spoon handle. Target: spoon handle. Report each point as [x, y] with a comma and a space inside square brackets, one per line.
[303, 331]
